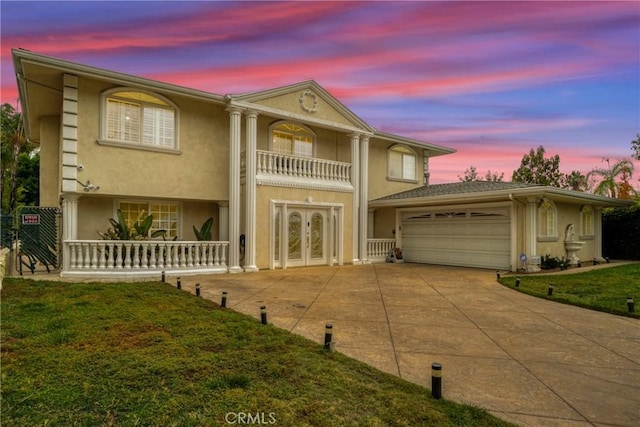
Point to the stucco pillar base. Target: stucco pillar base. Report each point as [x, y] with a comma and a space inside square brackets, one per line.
[532, 268]
[236, 269]
[251, 268]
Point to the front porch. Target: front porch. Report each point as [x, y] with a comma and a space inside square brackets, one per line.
[149, 258]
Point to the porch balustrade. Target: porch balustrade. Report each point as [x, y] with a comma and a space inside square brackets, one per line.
[378, 249]
[140, 258]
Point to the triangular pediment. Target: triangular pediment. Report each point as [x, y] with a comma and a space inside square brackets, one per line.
[307, 101]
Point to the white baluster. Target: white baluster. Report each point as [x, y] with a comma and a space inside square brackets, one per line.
[103, 256]
[183, 257]
[190, 256]
[94, 255]
[119, 255]
[127, 255]
[151, 248]
[144, 262]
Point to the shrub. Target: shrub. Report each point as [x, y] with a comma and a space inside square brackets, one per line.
[621, 233]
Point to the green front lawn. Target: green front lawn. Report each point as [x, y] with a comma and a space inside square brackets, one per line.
[604, 289]
[147, 354]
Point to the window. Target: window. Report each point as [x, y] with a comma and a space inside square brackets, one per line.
[547, 220]
[586, 221]
[290, 138]
[165, 215]
[402, 163]
[138, 118]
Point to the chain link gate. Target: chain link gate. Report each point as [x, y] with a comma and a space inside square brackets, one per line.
[38, 238]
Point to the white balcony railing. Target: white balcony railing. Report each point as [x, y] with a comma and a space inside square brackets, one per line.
[131, 258]
[378, 249]
[274, 168]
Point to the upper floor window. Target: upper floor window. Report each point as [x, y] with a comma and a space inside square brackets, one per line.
[586, 221]
[290, 138]
[139, 118]
[547, 220]
[402, 163]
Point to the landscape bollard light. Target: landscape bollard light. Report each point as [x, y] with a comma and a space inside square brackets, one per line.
[197, 289]
[223, 303]
[517, 282]
[328, 334]
[263, 314]
[436, 380]
[550, 290]
[595, 261]
[178, 284]
[631, 305]
[497, 275]
[606, 259]
[163, 277]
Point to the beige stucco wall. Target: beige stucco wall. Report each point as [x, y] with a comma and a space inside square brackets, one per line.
[567, 214]
[199, 171]
[291, 102]
[94, 213]
[330, 144]
[379, 183]
[265, 194]
[384, 223]
[50, 161]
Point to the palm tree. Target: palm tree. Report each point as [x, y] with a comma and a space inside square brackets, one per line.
[609, 184]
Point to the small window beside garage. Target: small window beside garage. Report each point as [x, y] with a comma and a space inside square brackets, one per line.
[586, 222]
[547, 221]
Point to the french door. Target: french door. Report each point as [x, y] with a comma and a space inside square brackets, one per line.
[307, 231]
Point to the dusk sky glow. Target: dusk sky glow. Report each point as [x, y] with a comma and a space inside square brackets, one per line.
[490, 79]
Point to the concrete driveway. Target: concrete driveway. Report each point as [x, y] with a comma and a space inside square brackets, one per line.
[527, 360]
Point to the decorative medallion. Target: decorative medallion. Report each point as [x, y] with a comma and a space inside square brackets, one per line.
[309, 101]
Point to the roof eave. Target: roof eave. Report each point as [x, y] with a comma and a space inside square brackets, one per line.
[20, 55]
[506, 194]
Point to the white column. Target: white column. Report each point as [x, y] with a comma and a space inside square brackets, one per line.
[597, 231]
[250, 186]
[355, 181]
[223, 221]
[364, 197]
[371, 223]
[235, 118]
[69, 226]
[532, 233]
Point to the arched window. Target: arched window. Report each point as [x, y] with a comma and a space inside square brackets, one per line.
[401, 163]
[586, 221]
[547, 220]
[293, 139]
[134, 117]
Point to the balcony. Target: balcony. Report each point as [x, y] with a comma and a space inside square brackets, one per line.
[379, 249]
[283, 170]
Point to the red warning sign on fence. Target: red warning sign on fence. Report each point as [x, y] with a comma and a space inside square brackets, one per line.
[30, 219]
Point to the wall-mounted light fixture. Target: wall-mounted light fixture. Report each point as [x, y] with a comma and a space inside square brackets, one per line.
[88, 186]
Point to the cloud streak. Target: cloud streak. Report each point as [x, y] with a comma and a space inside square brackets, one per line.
[473, 75]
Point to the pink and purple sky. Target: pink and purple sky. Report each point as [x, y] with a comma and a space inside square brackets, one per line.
[490, 79]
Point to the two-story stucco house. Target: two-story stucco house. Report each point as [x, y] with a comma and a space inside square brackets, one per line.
[290, 175]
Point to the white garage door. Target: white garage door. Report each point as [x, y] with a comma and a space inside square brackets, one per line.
[472, 238]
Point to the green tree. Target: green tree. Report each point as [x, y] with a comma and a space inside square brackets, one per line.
[471, 174]
[535, 168]
[575, 181]
[614, 179]
[635, 146]
[14, 142]
[493, 176]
